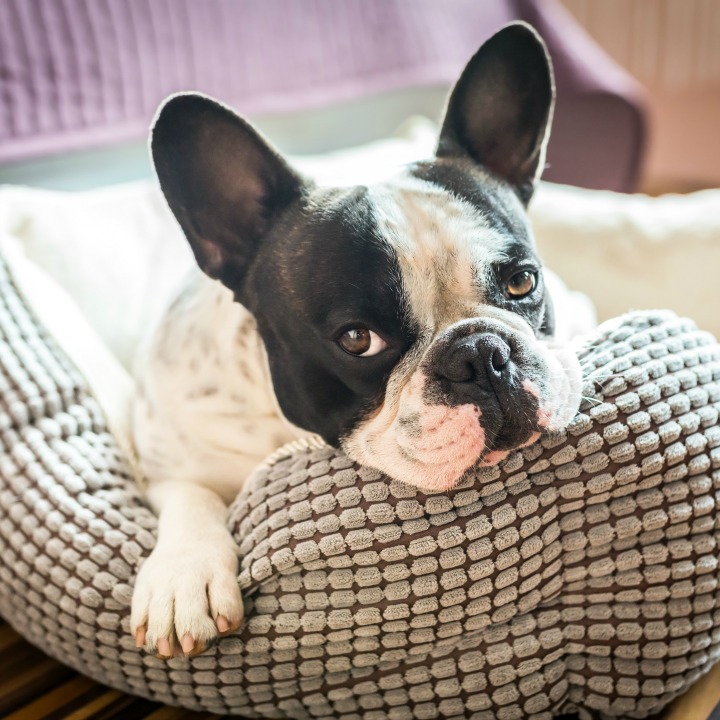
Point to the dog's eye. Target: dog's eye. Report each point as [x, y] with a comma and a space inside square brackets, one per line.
[521, 284]
[361, 342]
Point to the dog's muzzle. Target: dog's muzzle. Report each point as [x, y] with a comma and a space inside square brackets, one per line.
[482, 389]
[486, 367]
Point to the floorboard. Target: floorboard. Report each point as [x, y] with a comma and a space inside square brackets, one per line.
[35, 687]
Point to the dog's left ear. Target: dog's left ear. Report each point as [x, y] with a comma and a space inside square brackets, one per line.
[500, 110]
[224, 183]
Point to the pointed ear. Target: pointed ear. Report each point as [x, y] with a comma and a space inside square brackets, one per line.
[500, 110]
[222, 181]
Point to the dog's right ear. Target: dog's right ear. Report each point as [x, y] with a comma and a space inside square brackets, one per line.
[222, 181]
[500, 110]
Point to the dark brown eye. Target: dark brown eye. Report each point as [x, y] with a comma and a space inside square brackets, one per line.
[361, 342]
[521, 284]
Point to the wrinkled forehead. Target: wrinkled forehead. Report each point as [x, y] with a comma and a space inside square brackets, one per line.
[448, 234]
[413, 252]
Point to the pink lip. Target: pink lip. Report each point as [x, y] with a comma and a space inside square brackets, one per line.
[532, 439]
[443, 445]
[450, 441]
[494, 457]
[545, 416]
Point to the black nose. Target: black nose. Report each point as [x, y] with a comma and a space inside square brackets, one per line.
[482, 358]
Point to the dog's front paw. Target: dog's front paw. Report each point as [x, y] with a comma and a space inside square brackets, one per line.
[185, 597]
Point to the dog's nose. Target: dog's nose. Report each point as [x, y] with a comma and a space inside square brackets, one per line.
[481, 358]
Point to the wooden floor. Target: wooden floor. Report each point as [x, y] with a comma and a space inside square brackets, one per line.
[34, 687]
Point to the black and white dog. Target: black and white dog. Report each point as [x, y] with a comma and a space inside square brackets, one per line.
[407, 322]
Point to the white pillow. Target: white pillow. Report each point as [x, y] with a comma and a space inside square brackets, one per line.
[633, 252]
[117, 251]
[111, 383]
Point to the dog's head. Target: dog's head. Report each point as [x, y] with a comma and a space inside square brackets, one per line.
[407, 322]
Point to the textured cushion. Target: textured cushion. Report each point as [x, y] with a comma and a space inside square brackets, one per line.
[580, 575]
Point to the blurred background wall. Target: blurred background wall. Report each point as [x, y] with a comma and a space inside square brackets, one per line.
[672, 47]
[81, 79]
[638, 80]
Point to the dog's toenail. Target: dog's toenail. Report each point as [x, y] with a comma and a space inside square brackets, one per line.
[163, 647]
[222, 624]
[187, 643]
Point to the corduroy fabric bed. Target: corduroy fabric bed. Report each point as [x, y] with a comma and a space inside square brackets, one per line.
[581, 576]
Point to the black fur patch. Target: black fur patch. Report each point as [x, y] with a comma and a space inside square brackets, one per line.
[324, 269]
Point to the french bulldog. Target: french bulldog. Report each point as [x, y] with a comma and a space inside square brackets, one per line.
[407, 323]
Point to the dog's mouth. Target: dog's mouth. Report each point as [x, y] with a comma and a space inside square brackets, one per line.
[447, 441]
[433, 445]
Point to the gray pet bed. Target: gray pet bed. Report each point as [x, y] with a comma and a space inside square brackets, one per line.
[582, 576]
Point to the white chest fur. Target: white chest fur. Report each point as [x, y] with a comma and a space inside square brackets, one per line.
[206, 412]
